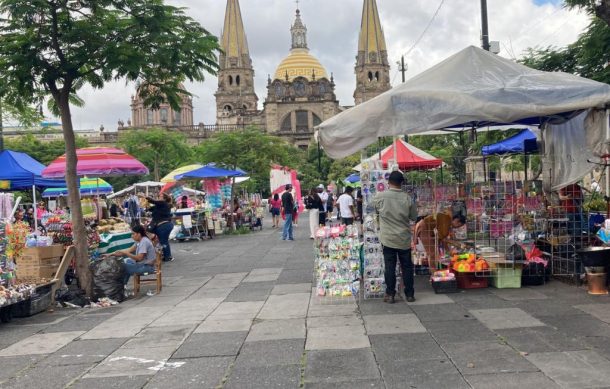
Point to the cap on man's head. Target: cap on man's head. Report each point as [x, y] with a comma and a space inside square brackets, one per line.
[396, 178]
[321, 186]
[288, 186]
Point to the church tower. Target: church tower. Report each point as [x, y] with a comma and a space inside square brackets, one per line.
[372, 67]
[236, 100]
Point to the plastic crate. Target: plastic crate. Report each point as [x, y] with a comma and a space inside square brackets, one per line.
[502, 278]
[39, 302]
[471, 281]
[445, 286]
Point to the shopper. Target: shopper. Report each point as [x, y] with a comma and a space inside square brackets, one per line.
[288, 206]
[161, 223]
[313, 203]
[324, 197]
[330, 205]
[345, 206]
[140, 258]
[275, 205]
[396, 210]
[295, 213]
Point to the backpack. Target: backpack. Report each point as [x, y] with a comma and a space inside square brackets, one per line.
[329, 203]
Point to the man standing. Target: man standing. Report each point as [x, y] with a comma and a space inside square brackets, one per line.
[345, 205]
[324, 197]
[396, 211]
[288, 209]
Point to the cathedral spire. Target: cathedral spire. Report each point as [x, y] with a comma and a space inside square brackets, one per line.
[233, 41]
[299, 33]
[372, 66]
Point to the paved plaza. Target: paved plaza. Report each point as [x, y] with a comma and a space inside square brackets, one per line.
[238, 312]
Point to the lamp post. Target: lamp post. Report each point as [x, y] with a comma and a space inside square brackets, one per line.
[1, 129]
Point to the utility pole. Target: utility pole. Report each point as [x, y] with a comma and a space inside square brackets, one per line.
[484, 26]
[1, 129]
[403, 68]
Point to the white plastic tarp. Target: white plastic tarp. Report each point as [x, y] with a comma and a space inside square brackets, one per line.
[147, 184]
[472, 87]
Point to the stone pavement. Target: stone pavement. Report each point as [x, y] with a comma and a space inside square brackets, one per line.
[238, 312]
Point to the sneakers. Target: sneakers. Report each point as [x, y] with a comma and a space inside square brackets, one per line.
[389, 299]
[410, 299]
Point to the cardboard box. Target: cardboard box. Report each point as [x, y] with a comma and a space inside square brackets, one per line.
[45, 269]
[53, 251]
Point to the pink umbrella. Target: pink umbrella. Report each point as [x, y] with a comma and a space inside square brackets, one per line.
[97, 162]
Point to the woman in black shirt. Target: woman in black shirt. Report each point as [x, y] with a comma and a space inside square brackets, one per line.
[161, 223]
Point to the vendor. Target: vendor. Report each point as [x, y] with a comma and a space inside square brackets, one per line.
[184, 202]
[140, 258]
[161, 223]
[571, 199]
[432, 231]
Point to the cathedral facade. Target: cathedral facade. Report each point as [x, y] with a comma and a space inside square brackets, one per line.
[300, 94]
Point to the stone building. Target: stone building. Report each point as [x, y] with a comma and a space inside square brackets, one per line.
[165, 116]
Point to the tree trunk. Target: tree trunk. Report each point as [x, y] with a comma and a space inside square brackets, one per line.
[603, 11]
[156, 170]
[78, 222]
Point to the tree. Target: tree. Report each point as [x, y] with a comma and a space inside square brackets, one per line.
[599, 8]
[252, 150]
[43, 152]
[51, 48]
[588, 57]
[161, 150]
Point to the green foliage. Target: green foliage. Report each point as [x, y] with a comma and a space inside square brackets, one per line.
[587, 57]
[28, 116]
[599, 8]
[595, 203]
[160, 150]
[251, 150]
[43, 152]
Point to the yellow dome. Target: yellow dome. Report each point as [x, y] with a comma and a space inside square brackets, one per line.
[299, 63]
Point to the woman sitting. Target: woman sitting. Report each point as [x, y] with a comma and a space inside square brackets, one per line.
[140, 258]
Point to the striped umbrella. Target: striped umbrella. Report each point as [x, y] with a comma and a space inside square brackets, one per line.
[171, 177]
[87, 186]
[98, 162]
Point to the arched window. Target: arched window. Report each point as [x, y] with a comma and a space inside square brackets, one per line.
[244, 107]
[237, 80]
[227, 108]
[376, 76]
[177, 118]
[316, 120]
[302, 121]
[230, 80]
[287, 123]
[370, 76]
[149, 116]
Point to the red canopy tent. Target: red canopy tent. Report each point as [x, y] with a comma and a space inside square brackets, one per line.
[409, 157]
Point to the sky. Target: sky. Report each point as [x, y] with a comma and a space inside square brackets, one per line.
[333, 27]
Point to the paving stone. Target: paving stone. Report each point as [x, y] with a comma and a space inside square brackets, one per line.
[316, 310]
[459, 331]
[271, 353]
[486, 300]
[357, 384]
[184, 315]
[337, 338]
[425, 298]
[295, 276]
[583, 325]
[518, 294]
[503, 318]
[511, 381]
[160, 300]
[393, 324]
[237, 311]
[215, 344]
[207, 293]
[600, 311]
[486, 358]
[549, 307]
[441, 312]
[540, 339]
[41, 343]
[254, 291]
[334, 321]
[137, 317]
[286, 306]
[287, 376]
[432, 374]
[378, 307]
[198, 303]
[195, 373]
[224, 325]
[170, 336]
[227, 280]
[111, 382]
[332, 366]
[132, 362]
[262, 275]
[277, 329]
[401, 347]
[77, 323]
[81, 352]
[291, 288]
[574, 369]
[13, 365]
[46, 377]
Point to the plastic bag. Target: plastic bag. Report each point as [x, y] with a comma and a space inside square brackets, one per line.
[108, 278]
[515, 253]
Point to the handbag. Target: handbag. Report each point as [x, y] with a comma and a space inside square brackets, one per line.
[151, 227]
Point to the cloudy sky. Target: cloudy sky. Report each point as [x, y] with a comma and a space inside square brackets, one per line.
[333, 27]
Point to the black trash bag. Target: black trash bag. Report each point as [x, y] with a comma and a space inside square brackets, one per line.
[515, 253]
[75, 297]
[108, 278]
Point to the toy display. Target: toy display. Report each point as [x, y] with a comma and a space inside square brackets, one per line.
[337, 262]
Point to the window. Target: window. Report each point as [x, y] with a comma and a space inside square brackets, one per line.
[227, 108]
[316, 120]
[163, 112]
[376, 76]
[302, 121]
[149, 116]
[237, 80]
[177, 118]
[230, 80]
[370, 76]
[287, 123]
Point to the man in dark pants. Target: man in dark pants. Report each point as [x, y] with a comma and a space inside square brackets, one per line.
[396, 210]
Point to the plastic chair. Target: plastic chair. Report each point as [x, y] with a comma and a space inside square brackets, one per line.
[150, 278]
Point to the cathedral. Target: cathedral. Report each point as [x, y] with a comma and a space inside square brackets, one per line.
[300, 93]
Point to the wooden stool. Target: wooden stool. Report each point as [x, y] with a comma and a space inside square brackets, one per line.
[148, 278]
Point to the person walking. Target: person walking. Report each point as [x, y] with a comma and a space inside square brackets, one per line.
[288, 210]
[330, 205]
[345, 206]
[396, 210]
[275, 206]
[323, 212]
[161, 223]
[313, 203]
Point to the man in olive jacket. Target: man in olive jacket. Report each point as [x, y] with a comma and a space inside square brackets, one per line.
[396, 210]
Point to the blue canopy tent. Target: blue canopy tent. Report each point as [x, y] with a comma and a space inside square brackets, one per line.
[352, 180]
[210, 172]
[20, 171]
[522, 143]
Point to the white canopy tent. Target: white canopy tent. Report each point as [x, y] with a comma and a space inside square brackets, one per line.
[134, 187]
[473, 88]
